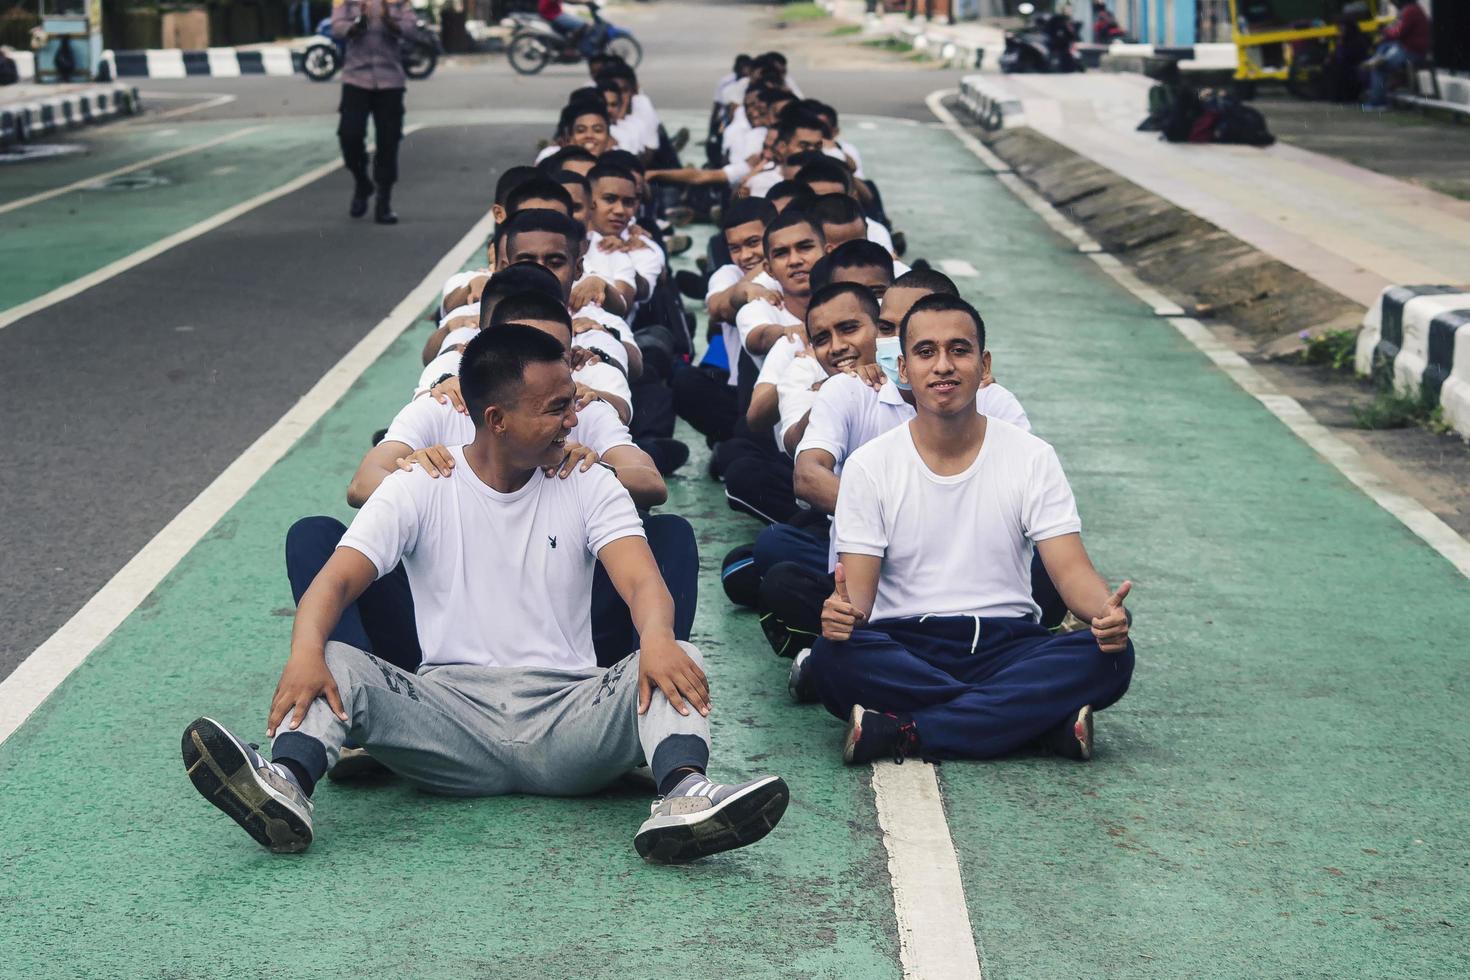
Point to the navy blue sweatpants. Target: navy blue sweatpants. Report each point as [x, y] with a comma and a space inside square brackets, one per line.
[973, 695]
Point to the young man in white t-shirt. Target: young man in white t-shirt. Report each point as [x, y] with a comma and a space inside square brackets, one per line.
[757, 474]
[930, 642]
[510, 699]
[709, 398]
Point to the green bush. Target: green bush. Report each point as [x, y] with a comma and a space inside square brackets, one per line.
[1335, 349]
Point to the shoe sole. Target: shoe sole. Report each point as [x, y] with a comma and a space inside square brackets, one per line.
[737, 822]
[221, 772]
[854, 733]
[1082, 731]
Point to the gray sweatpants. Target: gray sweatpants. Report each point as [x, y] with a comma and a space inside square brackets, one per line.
[484, 731]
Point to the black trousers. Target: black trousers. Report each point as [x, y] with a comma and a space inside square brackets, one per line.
[704, 397]
[385, 105]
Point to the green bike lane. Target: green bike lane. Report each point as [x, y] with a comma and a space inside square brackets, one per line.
[1274, 796]
[55, 241]
[1281, 793]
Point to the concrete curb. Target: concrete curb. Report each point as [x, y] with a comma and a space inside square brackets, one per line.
[991, 103]
[275, 60]
[25, 121]
[1417, 339]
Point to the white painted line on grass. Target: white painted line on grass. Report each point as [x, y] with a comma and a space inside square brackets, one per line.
[141, 164]
[50, 663]
[81, 285]
[935, 937]
[958, 267]
[1348, 461]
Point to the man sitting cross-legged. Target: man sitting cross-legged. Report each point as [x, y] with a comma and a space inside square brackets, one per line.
[510, 699]
[930, 642]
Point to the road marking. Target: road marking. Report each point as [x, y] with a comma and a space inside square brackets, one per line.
[140, 165]
[958, 267]
[81, 285]
[50, 663]
[935, 937]
[1347, 460]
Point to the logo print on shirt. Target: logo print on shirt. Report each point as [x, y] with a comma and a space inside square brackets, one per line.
[551, 540]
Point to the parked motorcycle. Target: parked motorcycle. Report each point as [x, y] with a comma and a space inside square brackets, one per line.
[1046, 44]
[419, 53]
[534, 43]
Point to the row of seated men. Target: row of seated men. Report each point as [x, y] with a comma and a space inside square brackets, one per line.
[506, 613]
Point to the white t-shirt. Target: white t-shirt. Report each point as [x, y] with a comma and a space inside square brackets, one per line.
[641, 108]
[763, 180]
[954, 545]
[842, 151]
[630, 134]
[550, 149]
[847, 414]
[498, 579]
[793, 373]
[426, 422]
[759, 313]
[648, 260]
[722, 279]
[879, 235]
[610, 267]
[735, 132]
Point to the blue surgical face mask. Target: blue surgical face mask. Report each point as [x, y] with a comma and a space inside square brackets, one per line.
[888, 352]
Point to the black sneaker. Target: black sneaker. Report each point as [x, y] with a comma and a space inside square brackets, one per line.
[785, 640]
[878, 735]
[360, 195]
[742, 583]
[799, 682]
[258, 795]
[383, 212]
[1072, 739]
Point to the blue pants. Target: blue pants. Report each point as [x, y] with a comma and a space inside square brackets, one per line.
[381, 621]
[807, 547]
[973, 695]
[1393, 61]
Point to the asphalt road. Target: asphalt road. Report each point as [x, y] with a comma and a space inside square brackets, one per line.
[125, 401]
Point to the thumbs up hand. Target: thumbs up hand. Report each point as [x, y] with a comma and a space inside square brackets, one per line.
[1110, 627]
[839, 616]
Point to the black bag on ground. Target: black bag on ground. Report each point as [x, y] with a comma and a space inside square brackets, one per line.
[1241, 124]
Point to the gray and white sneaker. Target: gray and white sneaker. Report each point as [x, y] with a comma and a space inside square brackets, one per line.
[700, 818]
[258, 795]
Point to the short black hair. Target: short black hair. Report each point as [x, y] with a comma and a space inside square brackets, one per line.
[565, 177]
[820, 109]
[622, 158]
[517, 277]
[539, 187]
[510, 180]
[790, 188]
[929, 280]
[792, 119]
[532, 304]
[831, 291]
[861, 254]
[619, 69]
[610, 171]
[825, 169]
[790, 218]
[495, 361]
[941, 303]
[837, 209]
[744, 210]
[558, 160]
[542, 219]
[741, 61]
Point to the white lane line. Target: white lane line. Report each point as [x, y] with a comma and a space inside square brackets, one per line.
[50, 663]
[958, 267]
[213, 103]
[935, 938]
[81, 285]
[141, 164]
[1348, 461]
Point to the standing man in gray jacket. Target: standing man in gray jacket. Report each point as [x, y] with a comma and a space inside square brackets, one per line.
[372, 83]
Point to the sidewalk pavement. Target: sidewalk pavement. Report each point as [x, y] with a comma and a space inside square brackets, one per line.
[1353, 230]
[967, 44]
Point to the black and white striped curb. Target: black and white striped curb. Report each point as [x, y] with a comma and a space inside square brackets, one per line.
[213, 62]
[27, 120]
[1417, 339]
[990, 102]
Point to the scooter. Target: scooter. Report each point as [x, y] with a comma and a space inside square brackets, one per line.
[419, 53]
[1043, 45]
[534, 43]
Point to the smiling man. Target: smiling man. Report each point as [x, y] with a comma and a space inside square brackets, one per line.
[509, 699]
[930, 641]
